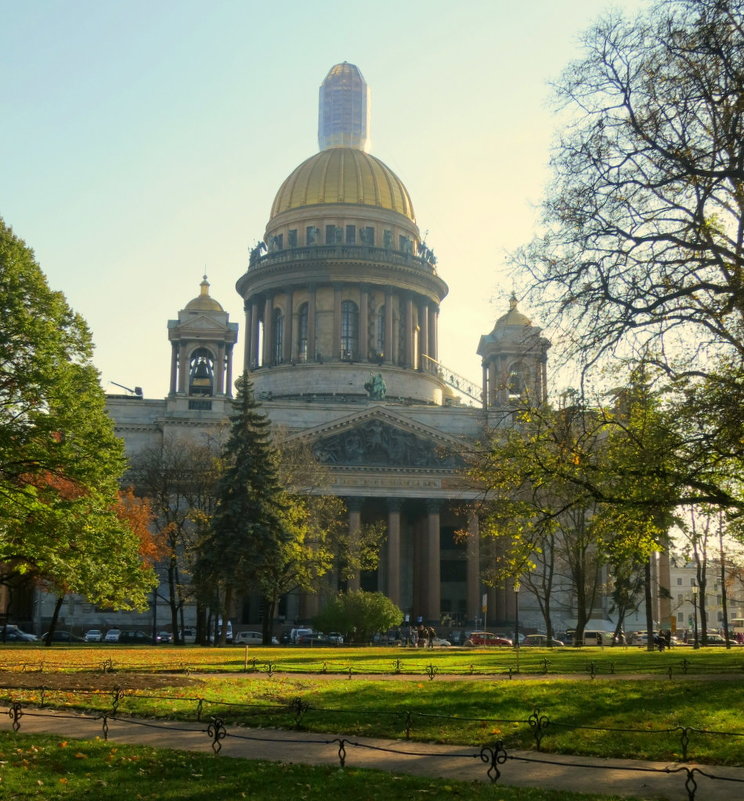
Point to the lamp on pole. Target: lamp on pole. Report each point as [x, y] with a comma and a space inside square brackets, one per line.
[695, 588]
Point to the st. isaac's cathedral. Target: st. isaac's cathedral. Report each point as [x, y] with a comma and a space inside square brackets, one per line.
[341, 333]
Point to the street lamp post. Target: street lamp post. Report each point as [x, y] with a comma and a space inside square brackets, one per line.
[516, 619]
[695, 644]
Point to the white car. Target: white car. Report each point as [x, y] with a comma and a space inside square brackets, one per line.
[93, 635]
[112, 635]
[251, 638]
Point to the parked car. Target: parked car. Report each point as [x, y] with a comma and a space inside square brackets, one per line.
[478, 639]
[62, 636]
[540, 641]
[251, 638]
[112, 635]
[93, 635]
[314, 638]
[188, 636]
[716, 640]
[163, 637]
[135, 638]
[14, 634]
[439, 642]
[335, 637]
[295, 634]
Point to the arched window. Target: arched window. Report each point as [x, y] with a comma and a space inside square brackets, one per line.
[349, 330]
[302, 318]
[277, 336]
[517, 383]
[201, 372]
[379, 332]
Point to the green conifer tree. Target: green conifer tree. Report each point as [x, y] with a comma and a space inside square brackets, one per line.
[248, 531]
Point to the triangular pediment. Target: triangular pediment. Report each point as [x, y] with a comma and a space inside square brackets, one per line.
[380, 438]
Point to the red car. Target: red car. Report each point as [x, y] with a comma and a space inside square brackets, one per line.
[478, 639]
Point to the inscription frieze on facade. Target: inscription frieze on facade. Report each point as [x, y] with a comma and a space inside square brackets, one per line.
[375, 444]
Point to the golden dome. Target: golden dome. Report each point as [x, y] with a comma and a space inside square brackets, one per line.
[343, 175]
[513, 316]
[203, 301]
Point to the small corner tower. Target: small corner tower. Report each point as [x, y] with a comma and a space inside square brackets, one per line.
[202, 340]
[514, 358]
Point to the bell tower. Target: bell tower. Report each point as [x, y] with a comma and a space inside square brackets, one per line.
[514, 359]
[202, 340]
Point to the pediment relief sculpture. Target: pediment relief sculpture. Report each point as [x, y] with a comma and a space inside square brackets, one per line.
[376, 444]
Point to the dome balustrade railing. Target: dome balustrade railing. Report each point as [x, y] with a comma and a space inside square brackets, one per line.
[340, 252]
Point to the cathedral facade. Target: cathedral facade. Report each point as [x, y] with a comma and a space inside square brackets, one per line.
[341, 331]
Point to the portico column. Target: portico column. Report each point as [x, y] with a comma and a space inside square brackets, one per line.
[473, 568]
[363, 324]
[484, 390]
[433, 588]
[355, 525]
[389, 350]
[393, 550]
[492, 385]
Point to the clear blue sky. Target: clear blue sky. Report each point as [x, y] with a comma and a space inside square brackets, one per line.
[143, 142]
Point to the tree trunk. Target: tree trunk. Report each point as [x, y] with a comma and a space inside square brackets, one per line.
[55, 618]
[724, 593]
[268, 620]
[173, 603]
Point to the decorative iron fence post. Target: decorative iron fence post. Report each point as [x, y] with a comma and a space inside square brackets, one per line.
[539, 724]
[494, 756]
[217, 731]
[199, 709]
[299, 707]
[431, 671]
[684, 740]
[105, 726]
[15, 713]
[341, 752]
[409, 723]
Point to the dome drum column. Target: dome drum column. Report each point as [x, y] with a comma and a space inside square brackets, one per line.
[289, 336]
[389, 349]
[424, 336]
[267, 333]
[363, 324]
[312, 349]
[409, 332]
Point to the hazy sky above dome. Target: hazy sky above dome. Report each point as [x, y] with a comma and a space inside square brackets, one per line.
[143, 143]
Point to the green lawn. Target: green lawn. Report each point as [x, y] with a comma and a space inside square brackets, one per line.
[56, 770]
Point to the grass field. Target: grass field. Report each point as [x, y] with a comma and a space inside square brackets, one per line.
[604, 716]
[57, 770]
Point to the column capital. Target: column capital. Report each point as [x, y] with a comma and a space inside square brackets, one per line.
[433, 505]
[394, 504]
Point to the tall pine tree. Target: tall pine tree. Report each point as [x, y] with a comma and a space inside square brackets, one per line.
[248, 531]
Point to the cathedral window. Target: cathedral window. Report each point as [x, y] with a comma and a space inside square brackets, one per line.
[277, 336]
[351, 234]
[276, 242]
[367, 235]
[406, 245]
[292, 238]
[333, 235]
[349, 329]
[312, 235]
[387, 239]
[302, 318]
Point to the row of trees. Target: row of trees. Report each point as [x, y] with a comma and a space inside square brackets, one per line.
[639, 267]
